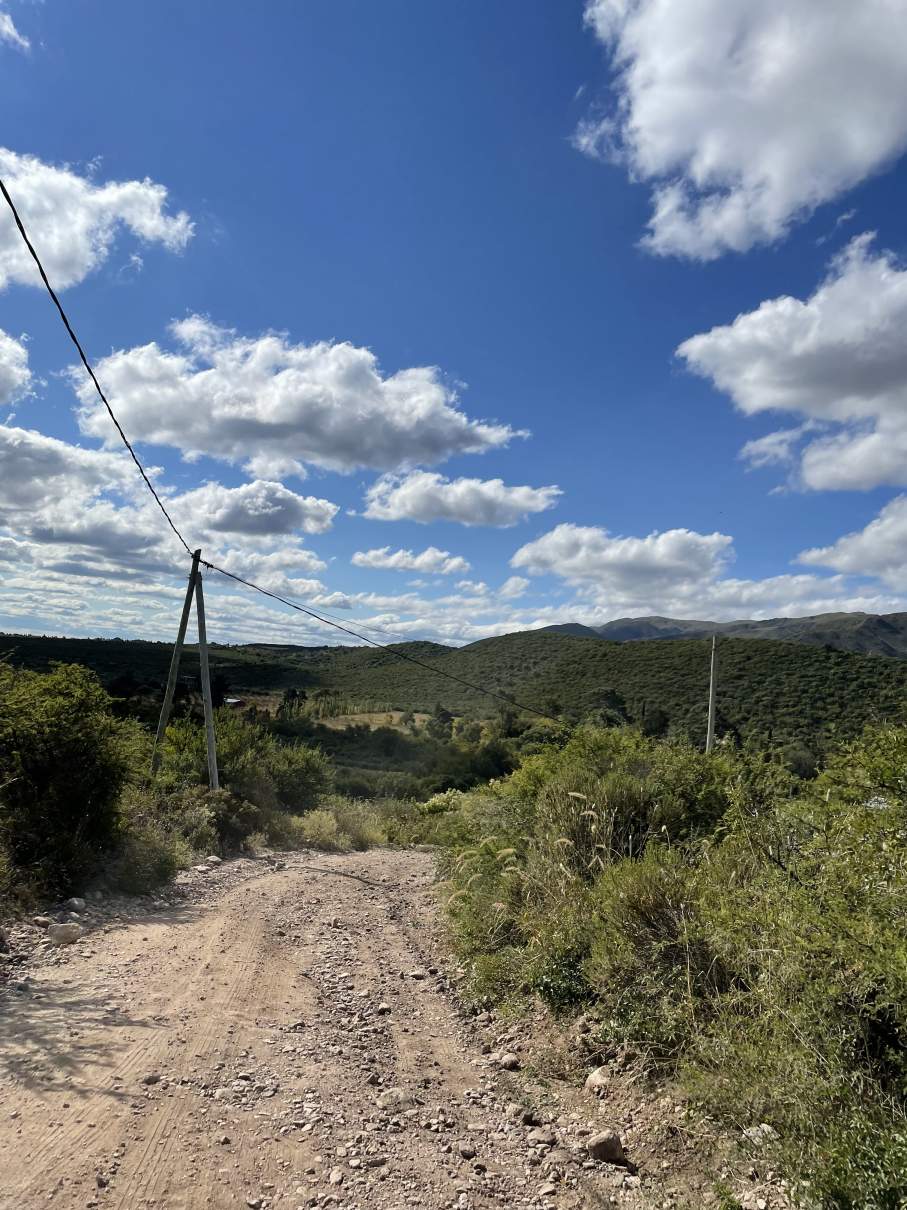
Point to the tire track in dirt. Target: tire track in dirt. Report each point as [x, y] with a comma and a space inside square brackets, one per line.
[300, 1049]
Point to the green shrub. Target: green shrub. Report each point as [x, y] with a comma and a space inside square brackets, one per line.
[252, 763]
[147, 857]
[751, 944]
[320, 829]
[64, 759]
[650, 966]
[234, 818]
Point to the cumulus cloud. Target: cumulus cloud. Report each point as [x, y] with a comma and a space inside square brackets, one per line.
[256, 508]
[10, 35]
[745, 117]
[73, 221]
[839, 360]
[271, 403]
[589, 555]
[35, 468]
[426, 496]
[513, 587]
[431, 560]
[679, 573]
[15, 376]
[84, 512]
[880, 549]
[775, 449]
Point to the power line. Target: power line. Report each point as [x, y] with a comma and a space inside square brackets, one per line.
[325, 621]
[401, 655]
[86, 364]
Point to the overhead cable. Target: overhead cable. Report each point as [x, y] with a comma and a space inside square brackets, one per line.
[391, 649]
[325, 621]
[87, 365]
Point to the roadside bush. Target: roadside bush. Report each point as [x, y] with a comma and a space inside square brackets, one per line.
[650, 966]
[320, 828]
[750, 944]
[147, 857]
[252, 763]
[64, 760]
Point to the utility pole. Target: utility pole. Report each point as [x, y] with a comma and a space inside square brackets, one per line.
[194, 588]
[213, 779]
[167, 704]
[713, 677]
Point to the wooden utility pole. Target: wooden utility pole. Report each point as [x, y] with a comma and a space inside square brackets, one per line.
[213, 779]
[194, 587]
[710, 733]
[167, 704]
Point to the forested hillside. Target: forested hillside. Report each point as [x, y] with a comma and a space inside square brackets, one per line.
[769, 692]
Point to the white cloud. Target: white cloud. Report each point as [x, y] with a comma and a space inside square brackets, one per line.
[255, 508]
[681, 574]
[431, 560]
[878, 550]
[86, 513]
[427, 496]
[35, 468]
[15, 376]
[513, 587]
[838, 360]
[269, 569]
[744, 117]
[73, 222]
[775, 449]
[10, 35]
[589, 555]
[272, 404]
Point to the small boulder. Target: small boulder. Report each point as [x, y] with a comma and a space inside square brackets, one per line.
[74, 905]
[213, 859]
[466, 1150]
[394, 1098]
[597, 1080]
[540, 1137]
[607, 1147]
[64, 934]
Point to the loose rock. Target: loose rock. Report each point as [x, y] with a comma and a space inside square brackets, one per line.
[597, 1080]
[64, 934]
[607, 1147]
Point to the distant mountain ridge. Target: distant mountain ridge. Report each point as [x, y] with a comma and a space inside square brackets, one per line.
[866, 633]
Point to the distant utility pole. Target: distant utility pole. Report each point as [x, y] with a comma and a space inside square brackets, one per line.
[710, 734]
[194, 588]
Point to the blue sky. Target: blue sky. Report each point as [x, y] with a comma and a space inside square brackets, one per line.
[397, 237]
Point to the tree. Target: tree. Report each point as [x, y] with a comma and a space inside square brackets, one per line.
[441, 723]
[64, 760]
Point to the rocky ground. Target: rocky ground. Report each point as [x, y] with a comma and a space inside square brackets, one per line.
[285, 1033]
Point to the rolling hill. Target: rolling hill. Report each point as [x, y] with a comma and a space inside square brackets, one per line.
[769, 691]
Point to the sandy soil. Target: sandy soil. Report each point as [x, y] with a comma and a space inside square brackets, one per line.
[282, 1037]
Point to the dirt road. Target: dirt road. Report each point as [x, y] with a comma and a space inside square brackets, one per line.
[285, 1041]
